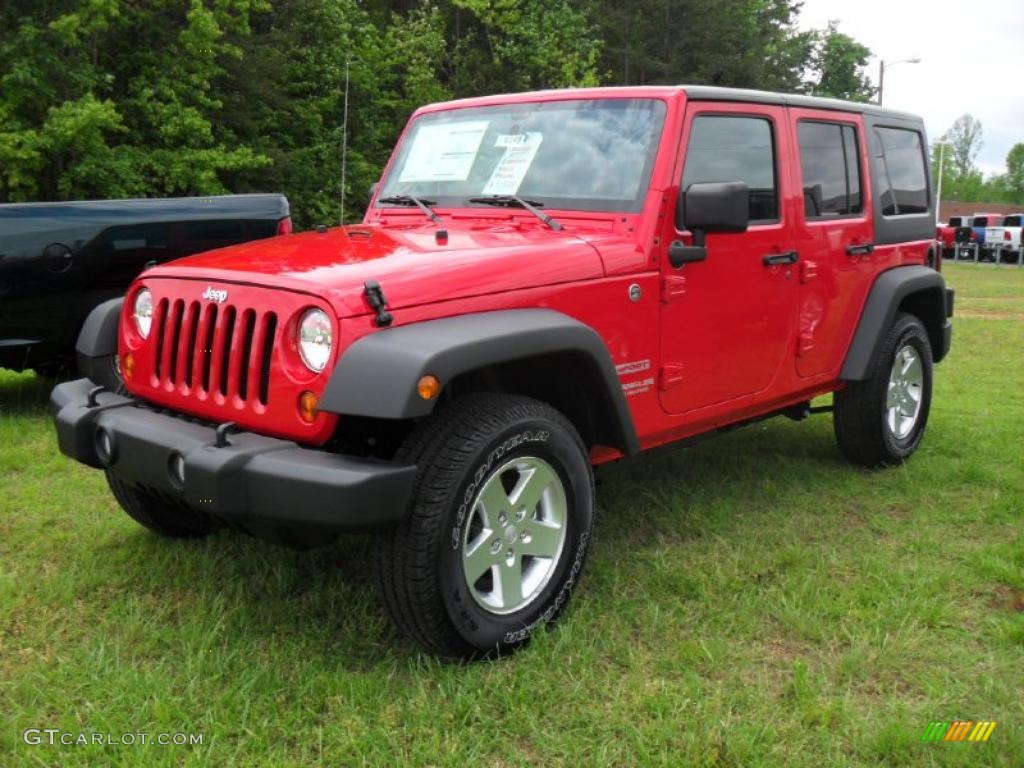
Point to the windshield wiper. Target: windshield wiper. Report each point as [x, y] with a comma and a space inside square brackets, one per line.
[514, 201]
[422, 204]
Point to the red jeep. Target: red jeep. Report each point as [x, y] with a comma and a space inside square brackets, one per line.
[543, 283]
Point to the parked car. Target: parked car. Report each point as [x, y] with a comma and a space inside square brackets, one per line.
[1006, 241]
[947, 233]
[979, 224]
[543, 283]
[60, 260]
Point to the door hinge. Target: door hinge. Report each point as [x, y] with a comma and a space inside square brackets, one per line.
[808, 271]
[670, 375]
[672, 287]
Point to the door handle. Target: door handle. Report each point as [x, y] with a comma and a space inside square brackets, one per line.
[860, 250]
[774, 259]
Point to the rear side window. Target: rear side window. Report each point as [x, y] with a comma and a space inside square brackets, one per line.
[831, 171]
[733, 148]
[980, 221]
[957, 221]
[902, 178]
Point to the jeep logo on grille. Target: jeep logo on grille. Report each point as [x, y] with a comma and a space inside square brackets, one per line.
[214, 294]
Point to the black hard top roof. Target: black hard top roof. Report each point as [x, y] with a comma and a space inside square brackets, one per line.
[715, 93]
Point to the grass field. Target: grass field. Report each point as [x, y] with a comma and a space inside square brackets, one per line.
[749, 601]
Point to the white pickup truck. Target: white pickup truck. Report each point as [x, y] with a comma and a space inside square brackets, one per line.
[1006, 242]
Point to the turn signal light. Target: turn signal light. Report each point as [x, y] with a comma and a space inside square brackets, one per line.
[128, 366]
[307, 407]
[428, 386]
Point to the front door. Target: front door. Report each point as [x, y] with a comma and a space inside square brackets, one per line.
[728, 322]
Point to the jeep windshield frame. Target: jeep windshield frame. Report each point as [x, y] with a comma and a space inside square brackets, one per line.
[591, 154]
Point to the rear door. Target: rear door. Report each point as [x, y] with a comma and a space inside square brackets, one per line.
[727, 322]
[833, 233]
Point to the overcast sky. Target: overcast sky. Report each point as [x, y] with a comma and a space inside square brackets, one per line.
[972, 60]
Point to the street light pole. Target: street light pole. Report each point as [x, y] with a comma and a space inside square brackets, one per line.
[881, 72]
[938, 186]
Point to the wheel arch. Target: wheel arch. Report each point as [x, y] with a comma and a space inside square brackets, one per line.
[914, 289]
[536, 352]
[97, 343]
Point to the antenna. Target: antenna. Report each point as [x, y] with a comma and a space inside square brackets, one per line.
[344, 146]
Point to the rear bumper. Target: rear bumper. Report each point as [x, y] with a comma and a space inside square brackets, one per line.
[252, 481]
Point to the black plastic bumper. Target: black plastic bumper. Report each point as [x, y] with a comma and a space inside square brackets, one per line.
[254, 481]
[947, 326]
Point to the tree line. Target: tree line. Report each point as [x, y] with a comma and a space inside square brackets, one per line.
[956, 153]
[120, 98]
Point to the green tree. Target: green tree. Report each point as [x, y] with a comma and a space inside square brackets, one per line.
[102, 98]
[961, 178]
[837, 64]
[742, 43]
[1013, 180]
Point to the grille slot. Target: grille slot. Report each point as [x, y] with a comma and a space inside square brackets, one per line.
[270, 327]
[209, 348]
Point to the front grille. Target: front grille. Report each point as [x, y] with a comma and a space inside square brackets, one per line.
[212, 349]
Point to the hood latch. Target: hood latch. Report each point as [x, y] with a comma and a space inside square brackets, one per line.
[375, 297]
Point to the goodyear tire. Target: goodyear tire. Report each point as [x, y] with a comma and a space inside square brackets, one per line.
[498, 529]
[157, 514]
[881, 420]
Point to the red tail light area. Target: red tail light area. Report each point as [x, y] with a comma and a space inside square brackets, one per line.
[231, 360]
[284, 226]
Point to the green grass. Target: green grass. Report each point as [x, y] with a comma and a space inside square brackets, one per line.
[750, 601]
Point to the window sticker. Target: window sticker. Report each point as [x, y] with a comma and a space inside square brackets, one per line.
[520, 149]
[444, 152]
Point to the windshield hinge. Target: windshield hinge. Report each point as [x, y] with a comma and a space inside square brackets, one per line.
[672, 287]
[377, 301]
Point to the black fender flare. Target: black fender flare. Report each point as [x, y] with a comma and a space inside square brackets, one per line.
[920, 286]
[376, 377]
[97, 344]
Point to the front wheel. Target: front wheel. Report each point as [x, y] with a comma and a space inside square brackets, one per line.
[498, 528]
[881, 420]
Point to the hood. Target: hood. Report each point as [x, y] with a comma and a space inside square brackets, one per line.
[409, 263]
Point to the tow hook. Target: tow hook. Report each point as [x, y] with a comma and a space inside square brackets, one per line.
[91, 401]
[223, 430]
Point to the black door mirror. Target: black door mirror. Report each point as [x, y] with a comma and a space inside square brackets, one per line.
[709, 207]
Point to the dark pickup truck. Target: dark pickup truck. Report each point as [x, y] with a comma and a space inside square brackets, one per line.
[59, 260]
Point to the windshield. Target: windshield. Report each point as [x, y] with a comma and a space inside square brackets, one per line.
[1012, 221]
[588, 155]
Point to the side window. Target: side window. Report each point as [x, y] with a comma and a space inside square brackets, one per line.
[831, 171]
[900, 168]
[727, 148]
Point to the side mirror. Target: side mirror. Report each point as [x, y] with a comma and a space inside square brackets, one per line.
[709, 207]
[373, 189]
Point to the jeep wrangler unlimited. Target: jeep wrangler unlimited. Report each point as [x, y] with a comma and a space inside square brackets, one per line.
[543, 283]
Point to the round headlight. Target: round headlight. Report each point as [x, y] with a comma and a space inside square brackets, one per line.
[143, 312]
[315, 339]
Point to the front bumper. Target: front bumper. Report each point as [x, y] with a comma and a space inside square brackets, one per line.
[255, 482]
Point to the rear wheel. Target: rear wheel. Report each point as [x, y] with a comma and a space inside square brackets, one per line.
[158, 514]
[498, 529]
[882, 419]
